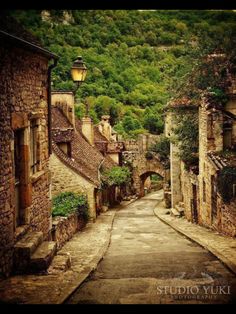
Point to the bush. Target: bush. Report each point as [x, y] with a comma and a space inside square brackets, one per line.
[162, 148]
[116, 176]
[67, 203]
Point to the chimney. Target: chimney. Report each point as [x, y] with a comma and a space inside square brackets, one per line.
[65, 101]
[87, 129]
[105, 127]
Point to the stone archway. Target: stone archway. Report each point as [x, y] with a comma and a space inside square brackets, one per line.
[143, 178]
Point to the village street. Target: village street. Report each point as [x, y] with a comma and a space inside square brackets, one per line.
[149, 262]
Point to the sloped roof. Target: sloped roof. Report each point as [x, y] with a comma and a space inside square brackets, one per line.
[85, 158]
[11, 30]
[221, 161]
[98, 136]
[59, 120]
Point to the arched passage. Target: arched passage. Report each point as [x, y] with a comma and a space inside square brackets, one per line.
[147, 180]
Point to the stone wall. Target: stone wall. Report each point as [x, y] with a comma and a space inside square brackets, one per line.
[65, 179]
[188, 179]
[63, 228]
[23, 96]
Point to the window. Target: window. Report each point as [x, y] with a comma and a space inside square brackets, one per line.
[18, 141]
[65, 147]
[33, 146]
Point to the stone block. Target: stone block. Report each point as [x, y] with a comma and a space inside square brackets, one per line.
[43, 256]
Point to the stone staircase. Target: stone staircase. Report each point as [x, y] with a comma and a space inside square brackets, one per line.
[178, 210]
[32, 254]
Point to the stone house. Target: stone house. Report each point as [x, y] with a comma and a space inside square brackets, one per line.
[197, 191]
[24, 140]
[79, 154]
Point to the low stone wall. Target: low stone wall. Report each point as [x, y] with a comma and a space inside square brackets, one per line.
[63, 228]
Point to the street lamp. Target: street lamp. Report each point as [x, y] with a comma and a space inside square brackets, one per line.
[78, 71]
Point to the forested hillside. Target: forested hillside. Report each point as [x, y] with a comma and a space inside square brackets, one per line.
[135, 59]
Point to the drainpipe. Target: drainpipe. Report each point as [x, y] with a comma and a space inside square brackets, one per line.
[99, 175]
[49, 105]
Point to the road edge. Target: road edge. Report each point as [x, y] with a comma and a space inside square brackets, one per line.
[231, 266]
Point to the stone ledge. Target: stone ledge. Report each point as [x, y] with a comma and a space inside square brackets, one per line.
[36, 176]
[217, 244]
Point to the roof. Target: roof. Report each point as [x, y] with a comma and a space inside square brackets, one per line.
[59, 120]
[81, 150]
[183, 103]
[12, 31]
[221, 160]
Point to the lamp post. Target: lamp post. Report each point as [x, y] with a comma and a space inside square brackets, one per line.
[78, 72]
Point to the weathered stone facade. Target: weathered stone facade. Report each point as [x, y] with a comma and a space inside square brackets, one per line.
[63, 228]
[199, 193]
[135, 155]
[24, 190]
[213, 211]
[76, 160]
[65, 179]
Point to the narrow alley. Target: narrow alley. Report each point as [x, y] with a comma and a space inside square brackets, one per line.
[147, 262]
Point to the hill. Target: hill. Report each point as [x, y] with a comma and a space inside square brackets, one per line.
[136, 59]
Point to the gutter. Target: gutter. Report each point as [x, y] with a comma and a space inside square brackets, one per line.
[99, 175]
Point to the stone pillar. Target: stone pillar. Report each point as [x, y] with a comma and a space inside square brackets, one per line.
[175, 171]
[87, 129]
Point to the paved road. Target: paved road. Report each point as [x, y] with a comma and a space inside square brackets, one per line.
[148, 262]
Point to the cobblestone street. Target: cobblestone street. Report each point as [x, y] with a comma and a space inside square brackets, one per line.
[148, 262]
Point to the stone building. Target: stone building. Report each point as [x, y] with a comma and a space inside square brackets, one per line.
[197, 191]
[134, 154]
[24, 141]
[107, 140]
[78, 153]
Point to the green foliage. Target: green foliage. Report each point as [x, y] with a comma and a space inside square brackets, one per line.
[149, 155]
[162, 148]
[116, 176]
[67, 203]
[134, 58]
[225, 181]
[186, 137]
[153, 123]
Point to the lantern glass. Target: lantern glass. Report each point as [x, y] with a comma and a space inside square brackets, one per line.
[78, 70]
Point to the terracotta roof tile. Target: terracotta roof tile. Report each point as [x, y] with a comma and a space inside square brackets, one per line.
[85, 159]
[59, 120]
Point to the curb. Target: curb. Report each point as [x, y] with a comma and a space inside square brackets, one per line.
[93, 264]
[231, 266]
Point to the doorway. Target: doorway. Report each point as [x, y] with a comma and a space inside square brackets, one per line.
[194, 204]
[18, 142]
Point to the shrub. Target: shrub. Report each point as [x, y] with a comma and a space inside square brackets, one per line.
[116, 176]
[162, 148]
[67, 203]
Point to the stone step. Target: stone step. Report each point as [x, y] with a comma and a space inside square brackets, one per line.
[25, 247]
[61, 262]
[180, 209]
[174, 212]
[43, 256]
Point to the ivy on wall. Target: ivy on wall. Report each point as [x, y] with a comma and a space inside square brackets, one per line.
[186, 137]
[225, 181]
[162, 148]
